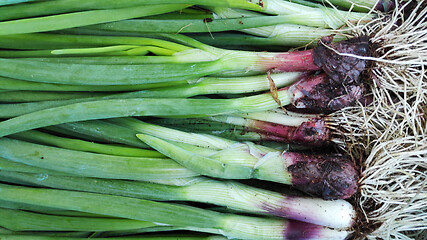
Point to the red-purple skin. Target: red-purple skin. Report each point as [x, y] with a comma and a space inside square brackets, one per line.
[298, 61]
[331, 176]
[311, 133]
[286, 209]
[269, 137]
[320, 93]
[297, 230]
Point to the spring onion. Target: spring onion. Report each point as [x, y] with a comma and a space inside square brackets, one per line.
[15, 84]
[312, 132]
[203, 86]
[247, 160]
[91, 164]
[49, 41]
[234, 195]
[70, 20]
[17, 220]
[232, 226]
[139, 107]
[192, 25]
[161, 237]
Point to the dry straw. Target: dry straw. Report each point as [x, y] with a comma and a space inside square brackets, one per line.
[390, 134]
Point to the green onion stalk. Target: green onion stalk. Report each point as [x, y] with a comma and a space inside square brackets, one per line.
[44, 210]
[274, 30]
[81, 18]
[307, 129]
[225, 130]
[328, 176]
[335, 214]
[292, 33]
[8, 165]
[199, 61]
[18, 220]
[86, 146]
[120, 50]
[11, 2]
[191, 60]
[91, 164]
[12, 166]
[231, 23]
[7, 234]
[44, 8]
[211, 61]
[37, 96]
[310, 132]
[319, 17]
[10, 84]
[158, 237]
[362, 6]
[304, 93]
[58, 42]
[296, 94]
[289, 12]
[229, 225]
[111, 133]
[99, 131]
[29, 207]
[46, 16]
[63, 7]
[202, 86]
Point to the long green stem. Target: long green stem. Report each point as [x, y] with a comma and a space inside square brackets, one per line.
[203, 86]
[15, 84]
[77, 19]
[100, 130]
[140, 107]
[82, 74]
[192, 25]
[262, 40]
[8, 165]
[90, 164]
[198, 140]
[64, 6]
[11, 2]
[216, 61]
[37, 96]
[59, 41]
[319, 17]
[45, 8]
[80, 145]
[232, 226]
[17, 220]
[26, 206]
[233, 163]
[7, 234]
[290, 34]
[161, 237]
[335, 214]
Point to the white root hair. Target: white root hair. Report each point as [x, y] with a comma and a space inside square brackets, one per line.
[390, 134]
[394, 184]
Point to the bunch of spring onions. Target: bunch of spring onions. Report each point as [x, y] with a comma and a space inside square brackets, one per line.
[180, 119]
